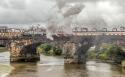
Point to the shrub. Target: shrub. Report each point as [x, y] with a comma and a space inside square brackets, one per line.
[49, 49]
[108, 52]
[57, 51]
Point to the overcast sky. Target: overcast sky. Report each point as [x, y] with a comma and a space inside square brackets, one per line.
[94, 12]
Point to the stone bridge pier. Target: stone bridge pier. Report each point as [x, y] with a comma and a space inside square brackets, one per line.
[75, 51]
[23, 51]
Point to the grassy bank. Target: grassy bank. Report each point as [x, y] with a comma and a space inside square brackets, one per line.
[2, 49]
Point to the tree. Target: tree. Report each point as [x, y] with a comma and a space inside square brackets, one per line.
[49, 49]
[57, 51]
[109, 52]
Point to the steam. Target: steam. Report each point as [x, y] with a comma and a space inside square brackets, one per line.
[51, 29]
[72, 9]
[67, 12]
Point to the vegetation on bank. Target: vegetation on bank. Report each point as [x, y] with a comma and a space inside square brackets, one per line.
[3, 49]
[48, 49]
[107, 52]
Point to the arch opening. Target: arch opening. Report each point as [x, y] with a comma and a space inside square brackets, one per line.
[51, 49]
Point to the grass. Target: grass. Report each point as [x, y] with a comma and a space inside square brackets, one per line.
[3, 49]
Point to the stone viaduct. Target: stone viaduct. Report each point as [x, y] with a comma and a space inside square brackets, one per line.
[22, 46]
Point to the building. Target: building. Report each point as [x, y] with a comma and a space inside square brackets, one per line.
[3, 28]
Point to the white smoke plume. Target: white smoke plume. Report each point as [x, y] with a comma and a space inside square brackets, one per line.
[72, 9]
[67, 13]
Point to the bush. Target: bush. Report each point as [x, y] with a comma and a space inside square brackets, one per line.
[49, 49]
[91, 54]
[108, 52]
[103, 56]
[57, 51]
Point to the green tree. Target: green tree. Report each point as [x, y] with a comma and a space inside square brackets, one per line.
[44, 48]
[108, 52]
[115, 52]
[57, 51]
[48, 49]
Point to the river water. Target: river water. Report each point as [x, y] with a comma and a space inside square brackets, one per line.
[54, 67]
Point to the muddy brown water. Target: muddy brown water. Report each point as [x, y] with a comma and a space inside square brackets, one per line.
[54, 67]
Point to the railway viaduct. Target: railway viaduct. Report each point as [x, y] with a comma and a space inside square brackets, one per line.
[22, 46]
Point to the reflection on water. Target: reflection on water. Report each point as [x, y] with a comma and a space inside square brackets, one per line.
[4, 57]
[54, 67]
[24, 70]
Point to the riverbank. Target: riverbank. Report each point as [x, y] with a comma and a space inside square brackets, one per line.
[3, 49]
[105, 61]
[123, 63]
[5, 69]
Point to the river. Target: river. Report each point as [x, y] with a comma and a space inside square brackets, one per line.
[54, 67]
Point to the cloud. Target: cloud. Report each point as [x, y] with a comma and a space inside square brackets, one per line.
[103, 13]
[92, 13]
[25, 11]
[13, 4]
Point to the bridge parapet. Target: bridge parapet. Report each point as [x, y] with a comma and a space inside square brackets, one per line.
[9, 35]
[98, 33]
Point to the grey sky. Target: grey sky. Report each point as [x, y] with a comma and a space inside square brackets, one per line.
[94, 12]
